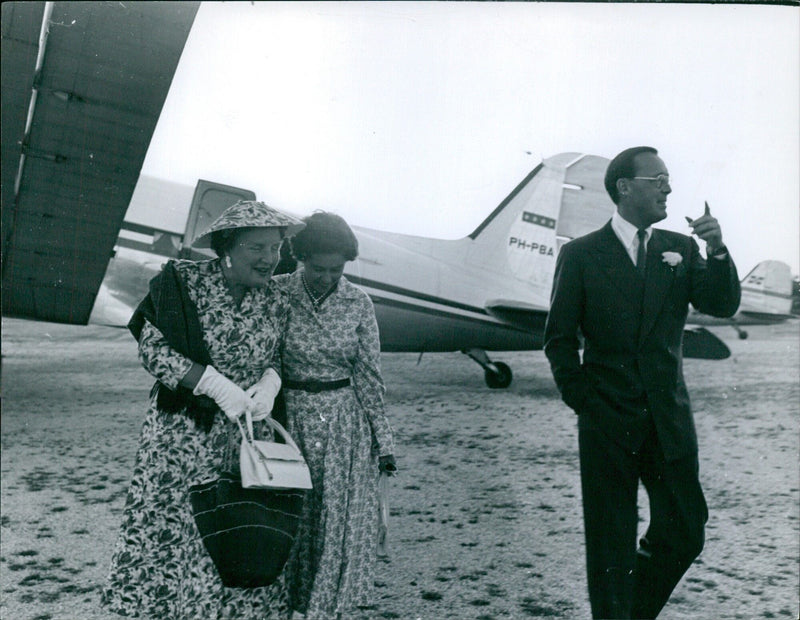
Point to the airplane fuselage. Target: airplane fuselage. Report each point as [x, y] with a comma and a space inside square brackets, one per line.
[429, 297]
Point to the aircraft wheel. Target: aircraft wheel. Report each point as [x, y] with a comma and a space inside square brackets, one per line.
[500, 379]
[743, 335]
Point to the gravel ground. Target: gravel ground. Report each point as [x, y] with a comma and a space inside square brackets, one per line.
[485, 517]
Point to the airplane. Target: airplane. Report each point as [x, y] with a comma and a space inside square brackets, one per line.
[78, 116]
[766, 299]
[486, 292]
[489, 291]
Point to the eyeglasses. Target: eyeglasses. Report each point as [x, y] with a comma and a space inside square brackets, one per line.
[662, 180]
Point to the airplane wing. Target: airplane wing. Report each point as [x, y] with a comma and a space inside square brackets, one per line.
[518, 314]
[765, 318]
[83, 84]
[698, 343]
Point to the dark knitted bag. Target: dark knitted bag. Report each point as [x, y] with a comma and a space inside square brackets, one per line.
[247, 532]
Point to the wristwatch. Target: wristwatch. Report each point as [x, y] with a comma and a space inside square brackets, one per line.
[719, 252]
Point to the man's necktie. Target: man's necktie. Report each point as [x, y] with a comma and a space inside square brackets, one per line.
[641, 252]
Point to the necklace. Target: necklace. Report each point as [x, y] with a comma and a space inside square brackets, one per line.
[316, 300]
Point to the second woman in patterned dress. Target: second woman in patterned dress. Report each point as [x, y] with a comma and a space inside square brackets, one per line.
[335, 411]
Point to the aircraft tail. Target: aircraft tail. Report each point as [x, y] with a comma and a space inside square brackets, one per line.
[561, 199]
[767, 290]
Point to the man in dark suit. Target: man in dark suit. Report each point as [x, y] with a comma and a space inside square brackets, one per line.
[626, 289]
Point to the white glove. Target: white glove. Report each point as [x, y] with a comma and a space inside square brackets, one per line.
[262, 394]
[229, 396]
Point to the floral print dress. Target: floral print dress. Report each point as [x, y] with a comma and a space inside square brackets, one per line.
[341, 434]
[160, 568]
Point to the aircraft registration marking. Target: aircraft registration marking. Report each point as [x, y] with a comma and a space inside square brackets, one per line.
[532, 246]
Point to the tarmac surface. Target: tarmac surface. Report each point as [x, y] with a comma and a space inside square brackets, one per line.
[485, 517]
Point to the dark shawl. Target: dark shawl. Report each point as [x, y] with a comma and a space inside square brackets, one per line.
[169, 308]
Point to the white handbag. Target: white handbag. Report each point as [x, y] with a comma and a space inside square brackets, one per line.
[271, 465]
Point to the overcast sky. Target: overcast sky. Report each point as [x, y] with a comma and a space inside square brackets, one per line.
[421, 117]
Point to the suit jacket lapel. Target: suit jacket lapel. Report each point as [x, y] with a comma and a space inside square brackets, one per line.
[658, 281]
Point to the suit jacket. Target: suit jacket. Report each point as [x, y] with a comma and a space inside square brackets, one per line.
[632, 328]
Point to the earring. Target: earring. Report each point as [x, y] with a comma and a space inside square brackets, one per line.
[228, 261]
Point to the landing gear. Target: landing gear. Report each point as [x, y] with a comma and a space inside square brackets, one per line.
[742, 333]
[501, 378]
[498, 375]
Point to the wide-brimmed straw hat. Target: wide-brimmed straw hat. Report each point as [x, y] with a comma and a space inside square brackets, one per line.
[249, 214]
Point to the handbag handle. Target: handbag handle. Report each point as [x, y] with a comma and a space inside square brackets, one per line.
[249, 437]
[251, 441]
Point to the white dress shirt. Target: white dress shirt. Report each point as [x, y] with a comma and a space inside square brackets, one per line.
[626, 233]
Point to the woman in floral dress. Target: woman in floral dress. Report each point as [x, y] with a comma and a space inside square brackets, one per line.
[234, 317]
[335, 412]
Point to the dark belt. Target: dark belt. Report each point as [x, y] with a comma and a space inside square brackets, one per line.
[315, 386]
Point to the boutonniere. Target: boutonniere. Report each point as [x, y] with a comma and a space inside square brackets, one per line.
[673, 259]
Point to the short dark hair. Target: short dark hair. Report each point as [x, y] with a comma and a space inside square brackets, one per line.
[223, 240]
[622, 167]
[325, 233]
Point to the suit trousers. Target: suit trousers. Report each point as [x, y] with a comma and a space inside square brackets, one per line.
[626, 582]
